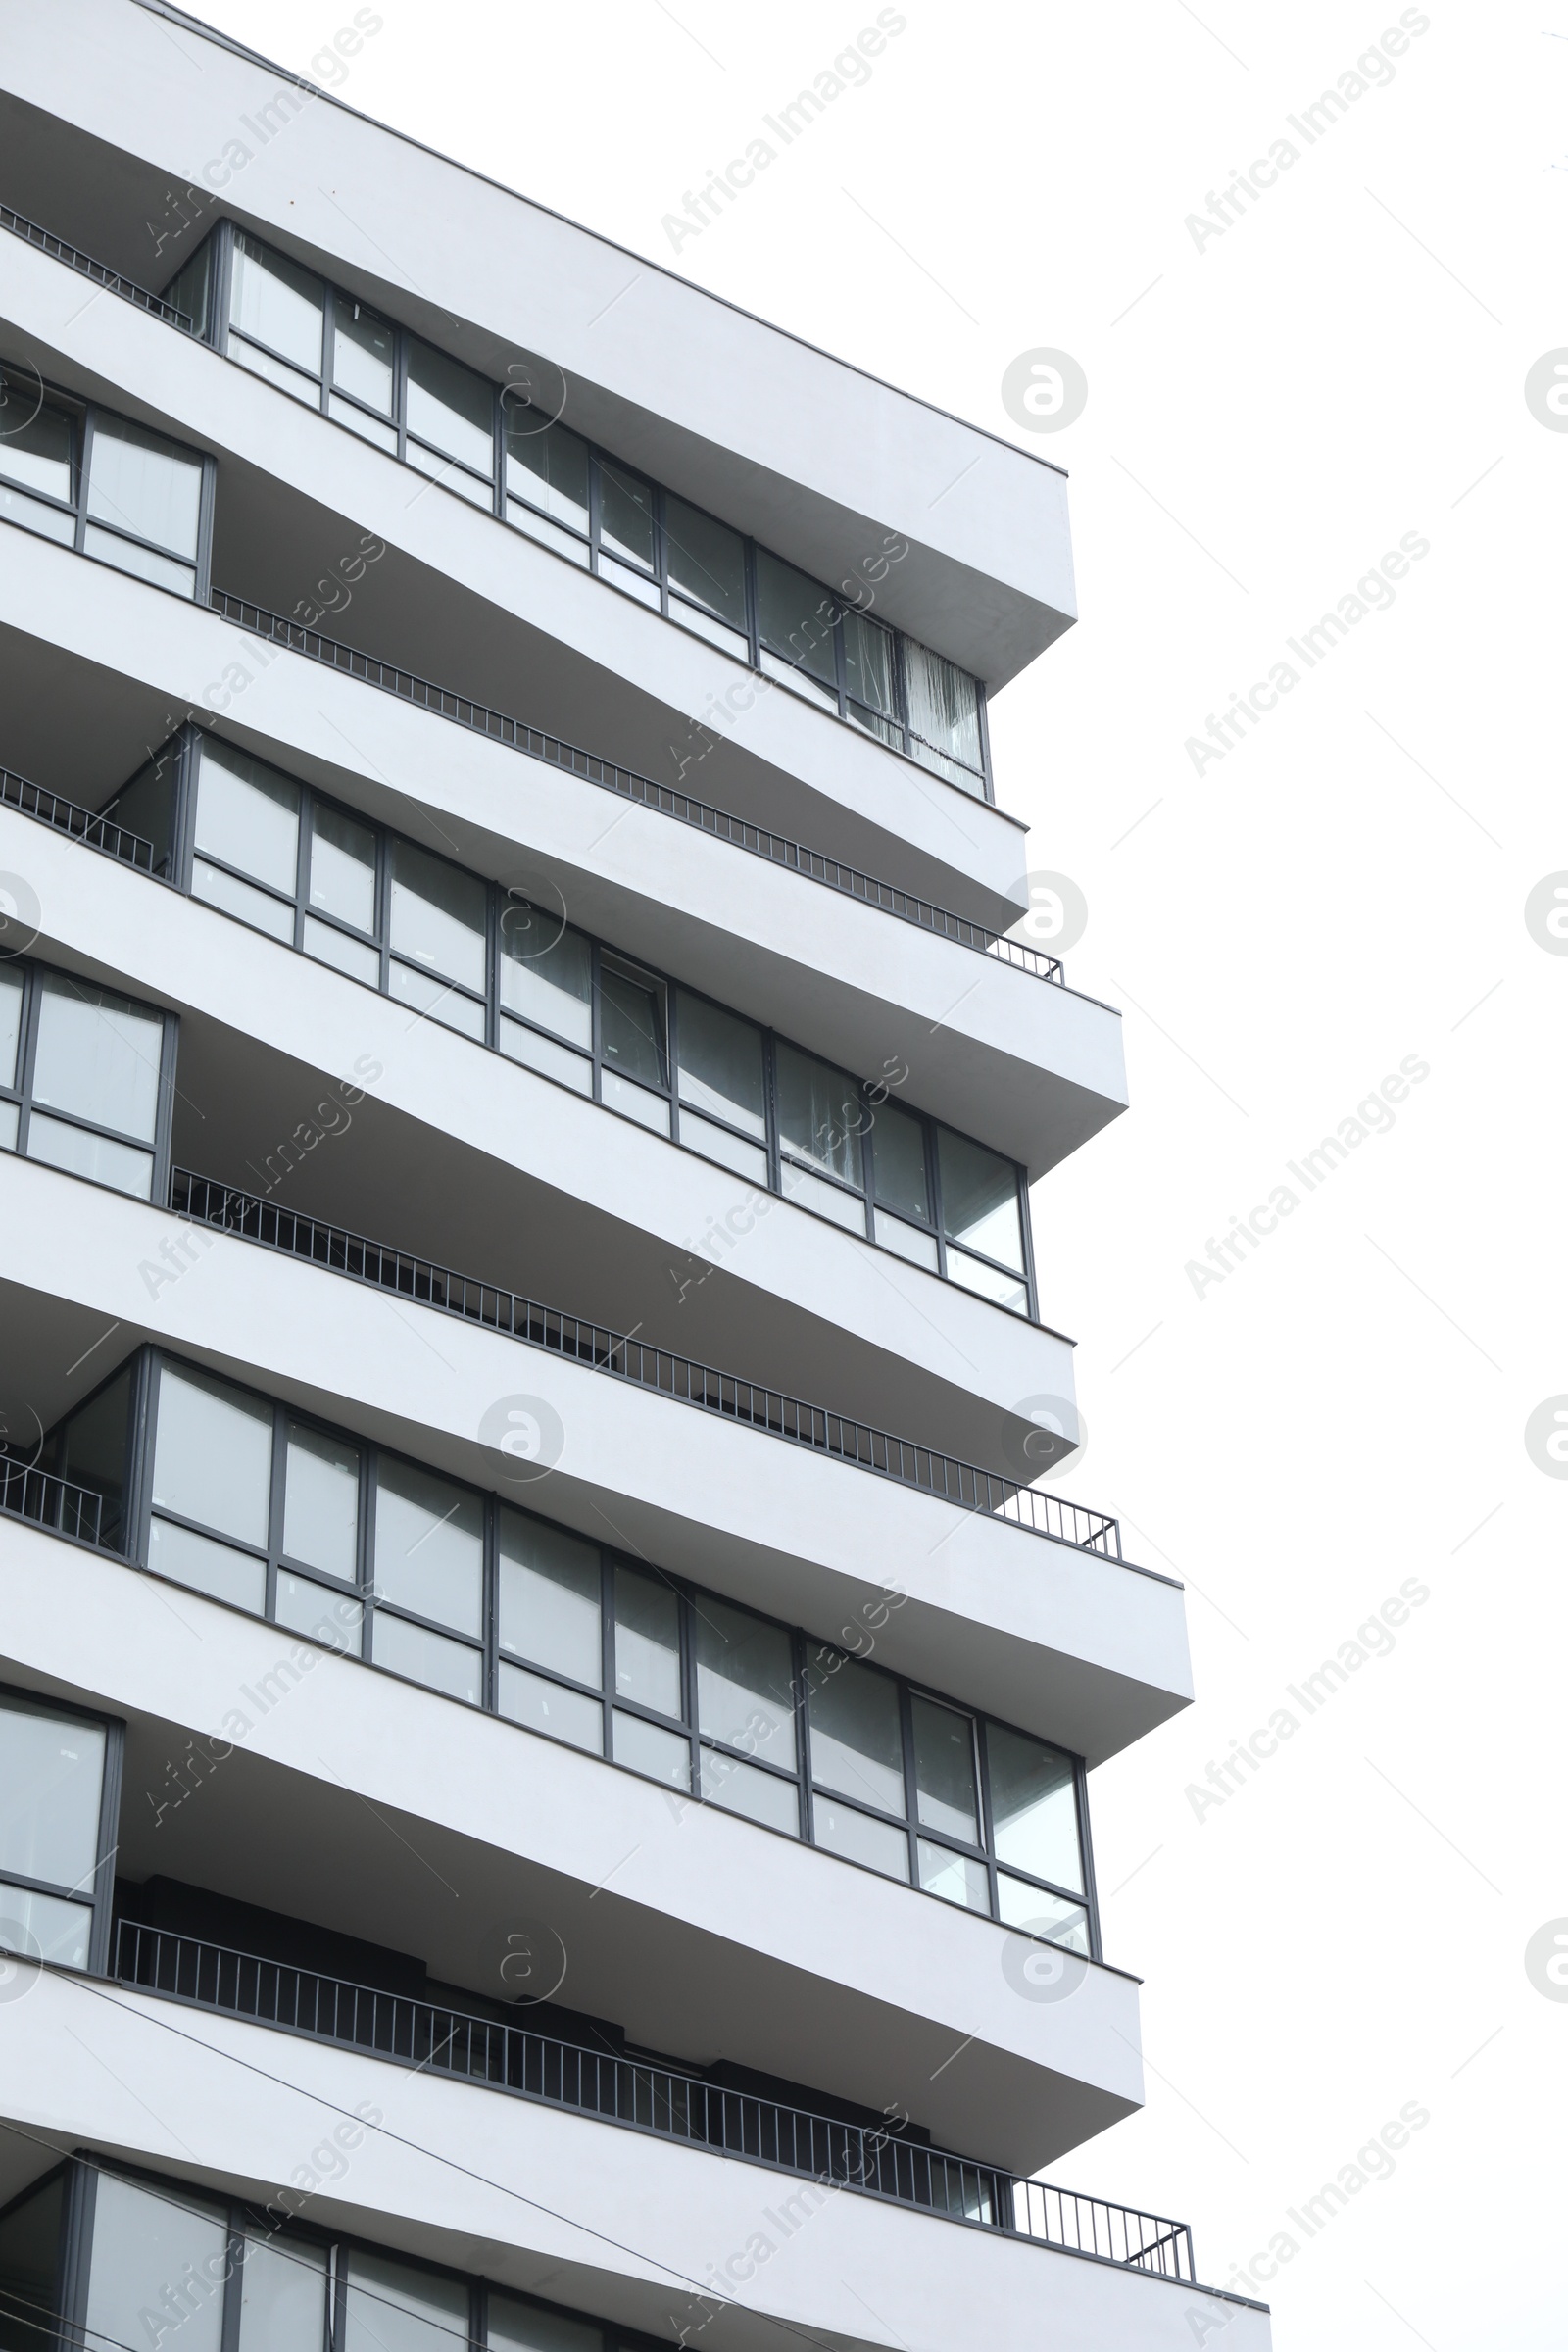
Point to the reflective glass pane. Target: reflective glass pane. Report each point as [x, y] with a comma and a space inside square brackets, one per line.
[283, 2302]
[988, 1282]
[43, 1927]
[451, 408]
[548, 468]
[944, 704]
[546, 974]
[860, 1839]
[438, 999]
[29, 2268]
[647, 1641]
[83, 1154]
[521, 2327]
[550, 1597]
[634, 1101]
[354, 956]
[909, 1241]
[393, 2307]
[214, 1458]
[9, 1025]
[368, 428]
[343, 868]
[444, 1665]
[945, 1770]
[51, 1781]
[428, 1544]
[35, 443]
[145, 484]
[980, 1199]
[291, 380]
[542, 1054]
[856, 1738]
[142, 563]
[706, 560]
[826, 1200]
[721, 1064]
[545, 1706]
[1038, 1914]
[334, 1619]
[955, 1877]
[438, 914]
[208, 1566]
[50, 523]
[625, 515]
[898, 1160]
[631, 1021]
[322, 1502]
[276, 302]
[98, 1055]
[716, 1143]
[745, 1789]
[248, 815]
[795, 616]
[143, 2247]
[662, 1755]
[1034, 1808]
[820, 1115]
[868, 671]
[744, 1673]
[362, 347]
[219, 888]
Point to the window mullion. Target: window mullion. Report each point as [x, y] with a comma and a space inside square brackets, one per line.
[274, 1509]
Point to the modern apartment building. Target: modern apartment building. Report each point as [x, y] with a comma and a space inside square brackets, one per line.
[545, 1716]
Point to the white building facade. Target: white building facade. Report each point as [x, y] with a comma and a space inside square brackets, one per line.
[544, 1720]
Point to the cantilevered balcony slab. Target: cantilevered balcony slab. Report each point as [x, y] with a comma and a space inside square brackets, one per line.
[1085, 1649]
[464, 1157]
[437, 2170]
[364, 1805]
[112, 665]
[468, 601]
[720, 406]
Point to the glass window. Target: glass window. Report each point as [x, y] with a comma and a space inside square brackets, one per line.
[145, 2246]
[550, 1597]
[393, 2307]
[282, 2298]
[947, 1796]
[869, 658]
[856, 1738]
[214, 1457]
[248, 815]
[519, 2327]
[548, 466]
[721, 1064]
[647, 1641]
[546, 977]
[980, 1199]
[955, 1877]
[898, 1163]
[625, 515]
[860, 1839]
[820, 1115]
[988, 1282]
[662, 1755]
[745, 1691]
[429, 1544]
[83, 1153]
[216, 1569]
[706, 560]
[546, 1706]
[35, 443]
[795, 616]
[334, 1619]
[9, 1025]
[98, 1055]
[1034, 1808]
[944, 704]
[275, 302]
[343, 868]
[50, 1785]
[45, 1927]
[438, 914]
[144, 484]
[29, 2268]
[433, 1660]
[745, 1789]
[1021, 1905]
[322, 1502]
[631, 1021]
[362, 348]
[451, 408]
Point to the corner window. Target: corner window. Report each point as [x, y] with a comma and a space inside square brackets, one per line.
[94, 481]
[81, 1077]
[943, 718]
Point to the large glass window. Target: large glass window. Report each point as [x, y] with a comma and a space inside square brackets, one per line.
[439, 938]
[283, 2292]
[399, 2307]
[51, 1799]
[144, 503]
[93, 1069]
[246, 838]
[428, 1547]
[451, 422]
[633, 1042]
[795, 621]
[982, 1217]
[38, 462]
[821, 1116]
[212, 1487]
[145, 2247]
[546, 478]
[724, 1086]
[363, 374]
[706, 567]
[276, 317]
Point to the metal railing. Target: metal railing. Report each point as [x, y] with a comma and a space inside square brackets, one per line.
[98, 832]
[110, 279]
[206, 1201]
[516, 735]
[646, 2097]
[48, 1501]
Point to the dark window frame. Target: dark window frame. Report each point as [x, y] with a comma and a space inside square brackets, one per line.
[157, 1151]
[101, 1901]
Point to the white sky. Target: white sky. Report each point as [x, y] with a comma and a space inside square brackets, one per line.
[1344, 366]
